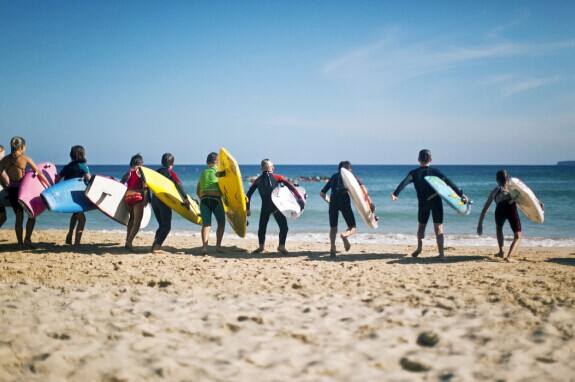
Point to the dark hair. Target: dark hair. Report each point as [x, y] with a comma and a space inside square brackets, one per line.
[137, 160]
[344, 164]
[78, 154]
[16, 143]
[212, 158]
[502, 177]
[167, 160]
[424, 156]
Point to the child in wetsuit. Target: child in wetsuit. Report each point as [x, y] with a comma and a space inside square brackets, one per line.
[506, 209]
[77, 168]
[265, 184]
[4, 183]
[340, 201]
[15, 166]
[429, 202]
[135, 198]
[162, 212]
[210, 196]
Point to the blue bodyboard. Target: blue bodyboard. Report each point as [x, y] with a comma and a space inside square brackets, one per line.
[67, 196]
[448, 194]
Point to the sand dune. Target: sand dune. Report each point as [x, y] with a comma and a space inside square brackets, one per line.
[101, 314]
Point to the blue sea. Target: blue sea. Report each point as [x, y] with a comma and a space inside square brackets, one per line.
[554, 185]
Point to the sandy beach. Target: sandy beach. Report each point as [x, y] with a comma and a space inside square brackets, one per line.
[101, 314]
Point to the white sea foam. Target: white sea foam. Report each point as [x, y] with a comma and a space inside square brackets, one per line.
[396, 239]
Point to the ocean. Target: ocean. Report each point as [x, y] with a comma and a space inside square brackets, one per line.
[554, 185]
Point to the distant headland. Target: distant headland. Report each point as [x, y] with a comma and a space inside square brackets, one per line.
[566, 163]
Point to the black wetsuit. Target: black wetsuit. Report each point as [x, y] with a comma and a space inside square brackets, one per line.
[429, 201]
[265, 184]
[339, 201]
[506, 209]
[162, 212]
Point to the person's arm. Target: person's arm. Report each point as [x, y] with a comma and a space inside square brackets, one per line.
[484, 211]
[367, 198]
[125, 178]
[250, 192]
[325, 189]
[448, 181]
[38, 172]
[179, 187]
[408, 179]
[292, 188]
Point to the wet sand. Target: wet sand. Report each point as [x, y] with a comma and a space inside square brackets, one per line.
[102, 314]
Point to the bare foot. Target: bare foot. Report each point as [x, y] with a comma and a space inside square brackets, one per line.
[28, 244]
[220, 249]
[441, 257]
[346, 243]
[500, 254]
[258, 250]
[283, 250]
[69, 238]
[332, 251]
[416, 253]
[204, 250]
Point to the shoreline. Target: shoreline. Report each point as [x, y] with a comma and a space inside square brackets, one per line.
[374, 313]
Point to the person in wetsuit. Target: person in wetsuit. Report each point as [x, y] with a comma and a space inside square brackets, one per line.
[505, 210]
[162, 212]
[340, 202]
[77, 168]
[4, 182]
[208, 191]
[15, 166]
[265, 184]
[429, 202]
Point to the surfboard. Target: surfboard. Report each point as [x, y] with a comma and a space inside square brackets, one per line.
[286, 202]
[31, 188]
[449, 195]
[526, 200]
[233, 196]
[165, 190]
[4, 201]
[357, 196]
[107, 194]
[67, 196]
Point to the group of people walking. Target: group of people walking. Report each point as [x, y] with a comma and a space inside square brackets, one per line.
[14, 166]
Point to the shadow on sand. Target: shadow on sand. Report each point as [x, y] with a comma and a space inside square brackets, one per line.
[562, 261]
[436, 260]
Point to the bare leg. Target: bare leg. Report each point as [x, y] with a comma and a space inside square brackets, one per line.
[29, 230]
[205, 237]
[439, 238]
[137, 214]
[80, 229]
[420, 237]
[500, 241]
[129, 228]
[220, 236]
[514, 245]
[19, 221]
[344, 237]
[73, 221]
[332, 236]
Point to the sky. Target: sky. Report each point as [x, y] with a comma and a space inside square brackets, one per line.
[300, 82]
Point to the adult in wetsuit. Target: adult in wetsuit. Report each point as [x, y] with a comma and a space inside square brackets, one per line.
[340, 201]
[4, 182]
[506, 209]
[429, 202]
[162, 212]
[265, 184]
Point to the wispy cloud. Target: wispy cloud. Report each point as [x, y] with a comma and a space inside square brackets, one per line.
[391, 61]
[510, 84]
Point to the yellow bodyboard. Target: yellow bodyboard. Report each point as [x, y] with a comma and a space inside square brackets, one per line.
[233, 196]
[165, 190]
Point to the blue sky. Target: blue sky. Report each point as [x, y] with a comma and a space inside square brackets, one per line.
[296, 81]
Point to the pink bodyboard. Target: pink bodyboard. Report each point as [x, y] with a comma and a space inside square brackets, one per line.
[31, 188]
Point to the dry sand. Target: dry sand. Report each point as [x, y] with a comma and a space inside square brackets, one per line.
[100, 314]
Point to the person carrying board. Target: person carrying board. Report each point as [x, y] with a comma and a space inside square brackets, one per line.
[429, 202]
[265, 184]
